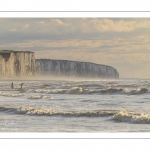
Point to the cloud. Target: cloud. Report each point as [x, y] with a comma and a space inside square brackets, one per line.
[121, 43]
[73, 26]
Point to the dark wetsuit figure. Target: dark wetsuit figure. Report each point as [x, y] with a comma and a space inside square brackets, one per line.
[12, 85]
[21, 85]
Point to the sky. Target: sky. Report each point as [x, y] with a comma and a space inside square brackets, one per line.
[123, 43]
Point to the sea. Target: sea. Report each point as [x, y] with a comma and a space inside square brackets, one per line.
[104, 105]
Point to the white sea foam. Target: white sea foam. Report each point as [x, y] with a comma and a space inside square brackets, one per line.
[39, 97]
[82, 90]
[75, 90]
[121, 116]
[78, 103]
[125, 116]
[11, 94]
[47, 111]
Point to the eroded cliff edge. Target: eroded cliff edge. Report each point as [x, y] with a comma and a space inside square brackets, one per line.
[17, 63]
[74, 69]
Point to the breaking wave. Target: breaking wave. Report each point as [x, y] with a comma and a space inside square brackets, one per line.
[125, 116]
[10, 94]
[49, 112]
[81, 90]
[22, 95]
[115, 115]
[39, 97]
[45, 85]
[75, 90]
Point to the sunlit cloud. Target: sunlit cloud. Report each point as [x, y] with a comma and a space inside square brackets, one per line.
[121, 43]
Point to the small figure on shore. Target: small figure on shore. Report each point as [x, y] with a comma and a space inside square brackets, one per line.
[21, 85]
[12, 85]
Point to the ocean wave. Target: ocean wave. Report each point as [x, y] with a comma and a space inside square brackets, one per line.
[10, 94]
[45, 85]
[75, 90]
[39, 97]
[27, 110]
[81, 90]
[115, 115]
[125, 116]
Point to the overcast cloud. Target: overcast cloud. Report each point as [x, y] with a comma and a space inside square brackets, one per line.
[121, 43]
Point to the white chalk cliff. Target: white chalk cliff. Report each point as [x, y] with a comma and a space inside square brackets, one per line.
[17, 63]
[74, 69]
[23, 64]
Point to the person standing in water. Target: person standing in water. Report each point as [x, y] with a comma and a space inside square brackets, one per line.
[21, 85]
[12, 85]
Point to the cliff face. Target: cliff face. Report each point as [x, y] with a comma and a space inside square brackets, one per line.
[16, 63]
[21, 64]
[74, 69]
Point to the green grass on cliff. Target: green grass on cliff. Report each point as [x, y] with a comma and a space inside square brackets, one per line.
[5, 51]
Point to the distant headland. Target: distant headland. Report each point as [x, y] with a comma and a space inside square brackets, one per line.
[24, 64]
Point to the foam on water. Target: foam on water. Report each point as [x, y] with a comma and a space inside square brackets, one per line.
[121, 116]
[39, 97]
[10, 94]
[114, 105]
[48, 112]
[75, 90]
[125, 116]
[81, 90]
